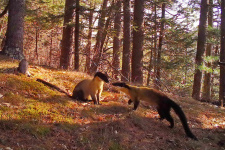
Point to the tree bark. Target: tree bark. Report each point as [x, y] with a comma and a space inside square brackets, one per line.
[155, 47]
[126, 41]
[97, 47]
[200, 50]
[67, 37]
[222, 55]
[88, 47]
[116, 41]
[206, 95]
[14, 35]
[138, 37]
[76, 61]
[158, 65]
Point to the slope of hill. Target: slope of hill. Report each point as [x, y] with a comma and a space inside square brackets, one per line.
[34, 116]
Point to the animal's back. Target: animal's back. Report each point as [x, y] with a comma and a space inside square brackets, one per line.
[84, 86]
[150, 95]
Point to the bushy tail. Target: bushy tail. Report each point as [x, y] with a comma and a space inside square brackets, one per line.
[183, 119]
[53, 86]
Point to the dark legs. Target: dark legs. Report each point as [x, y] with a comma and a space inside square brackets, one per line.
[136, 103]
[164, 113]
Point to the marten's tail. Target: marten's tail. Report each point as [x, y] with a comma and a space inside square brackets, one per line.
[183, 119]
[54, 87]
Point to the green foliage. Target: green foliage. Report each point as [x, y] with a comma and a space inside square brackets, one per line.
[213, 35]
[44, 14]
[211, 59]
[115, 145]
[35, 130]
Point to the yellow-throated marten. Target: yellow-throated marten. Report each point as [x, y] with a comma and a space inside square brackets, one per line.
[90, 88]
[158, 99]
[85, 89]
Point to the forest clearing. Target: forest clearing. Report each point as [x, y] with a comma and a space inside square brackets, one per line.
[33, 116]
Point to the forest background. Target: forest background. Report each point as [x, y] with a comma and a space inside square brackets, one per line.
[155, 43]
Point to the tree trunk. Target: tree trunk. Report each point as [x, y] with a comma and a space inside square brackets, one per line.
[155, 47]
[97, 48]
[200, 50]
[76, 61]
[67, 37]
[138, 37]
[222, 54]
[88, 48]
[14, 35]
[158, 65]
[126, 41]
[116, 41]
[206, 95]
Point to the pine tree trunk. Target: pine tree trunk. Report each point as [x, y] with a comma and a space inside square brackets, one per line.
[222, 55]
[138, 37]
[97, 47]
[14, 35]
[116, 41]
[155, 48]
[67, 38]
[126, 41]
[76, 57]
[200, 50]
[158, 65]
[206, 95]
[88, 47]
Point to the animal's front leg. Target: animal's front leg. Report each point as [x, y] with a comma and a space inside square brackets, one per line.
[136, 103]
[98, 98]
[94, 99]
[99, 95]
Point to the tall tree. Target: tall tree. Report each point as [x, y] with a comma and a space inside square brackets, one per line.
[97, 47]
[88, 47]
[158, 65]
[138, 37]
[222, 55]
[116, 40]
[67, 37]
[76, 61]
[15, 30]
[126, 41]
[200, 50]
[206, 90]
[155, 45]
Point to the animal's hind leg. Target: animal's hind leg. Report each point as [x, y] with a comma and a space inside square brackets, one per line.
[170, 119]
[79, 95]
[161, 113]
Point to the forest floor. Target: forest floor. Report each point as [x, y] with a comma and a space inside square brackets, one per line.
[35, 117]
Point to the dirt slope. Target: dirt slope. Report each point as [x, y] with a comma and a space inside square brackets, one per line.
[36, 117]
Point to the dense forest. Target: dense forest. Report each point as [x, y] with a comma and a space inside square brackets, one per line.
[175, 46]
[169, 53]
